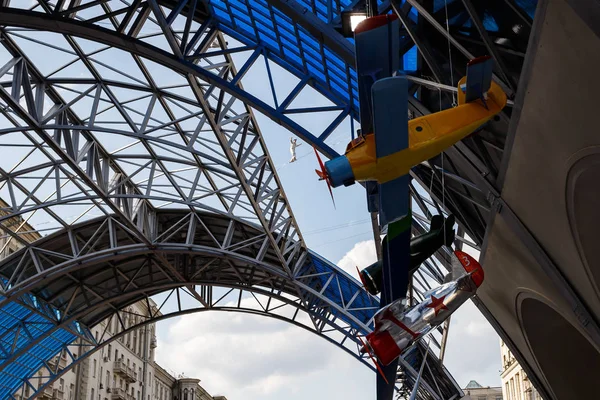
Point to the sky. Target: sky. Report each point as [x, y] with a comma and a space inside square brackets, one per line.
[247, 357]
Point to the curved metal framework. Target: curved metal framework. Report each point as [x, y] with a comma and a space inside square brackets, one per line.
[98, 268]
[128, 126]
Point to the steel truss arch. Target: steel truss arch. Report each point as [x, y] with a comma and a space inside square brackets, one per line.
[80, 294]
[213, 69]
[85, 287]
[101, 337]
[298, 318]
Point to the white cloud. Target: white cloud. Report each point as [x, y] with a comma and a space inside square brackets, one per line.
[246, 357]
[362, 255]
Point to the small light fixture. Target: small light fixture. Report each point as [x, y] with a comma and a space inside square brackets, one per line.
[350, 20]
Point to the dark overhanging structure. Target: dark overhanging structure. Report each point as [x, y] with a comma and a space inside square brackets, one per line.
[67, 118]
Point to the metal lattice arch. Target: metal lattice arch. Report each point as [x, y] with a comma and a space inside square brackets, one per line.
[193, 256]
[129, 142]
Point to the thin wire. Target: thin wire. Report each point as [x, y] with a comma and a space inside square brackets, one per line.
[443, 184]
[453, 105]
[339, 240]
[450, 53]
[335, 227]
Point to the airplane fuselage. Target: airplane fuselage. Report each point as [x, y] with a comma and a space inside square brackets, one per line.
[428, 136]
[396, 328]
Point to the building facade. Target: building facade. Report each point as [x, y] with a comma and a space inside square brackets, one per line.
[515, 384]
[124, 369]
[475, 391]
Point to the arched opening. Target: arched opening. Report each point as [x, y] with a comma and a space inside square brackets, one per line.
[568, 360]
[582, 207]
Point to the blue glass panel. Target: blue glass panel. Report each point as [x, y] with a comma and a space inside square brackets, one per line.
[267, 39]
[528, 6]
[222, 15]
[291, 38]
[266, 22]
[410, 59]
[489, 23]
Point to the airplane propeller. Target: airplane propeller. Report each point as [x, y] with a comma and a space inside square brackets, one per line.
[323, 175]
[366, 349]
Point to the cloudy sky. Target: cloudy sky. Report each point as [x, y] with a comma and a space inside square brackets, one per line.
[247, 357]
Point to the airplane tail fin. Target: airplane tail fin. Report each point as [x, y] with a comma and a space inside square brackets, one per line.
[449, 234]
[478, 80]
[436, 222]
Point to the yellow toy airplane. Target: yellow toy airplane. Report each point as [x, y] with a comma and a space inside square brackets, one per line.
[397, 145]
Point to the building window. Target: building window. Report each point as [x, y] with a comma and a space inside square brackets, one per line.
[92, 396]
[135, 340]
[107, 379]
[512, 388]
[94, 370]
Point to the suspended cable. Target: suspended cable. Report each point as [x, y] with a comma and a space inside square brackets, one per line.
[445, 261]
[344, 238]
[334, 227]
[450, 54]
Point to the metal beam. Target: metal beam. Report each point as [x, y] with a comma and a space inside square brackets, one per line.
[489, 44]
[33, 20]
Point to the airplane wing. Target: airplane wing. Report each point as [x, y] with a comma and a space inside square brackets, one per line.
[390, 123]
[377, 43]
[384, 111]
[390, 126]
[394, 196]
[390, 115]
[396, 264]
